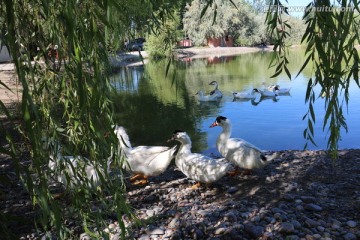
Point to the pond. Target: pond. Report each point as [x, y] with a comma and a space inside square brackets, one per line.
[151, 104]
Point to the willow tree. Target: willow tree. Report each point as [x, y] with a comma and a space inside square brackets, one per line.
[218, 18]
[60, 52]
[331, 37]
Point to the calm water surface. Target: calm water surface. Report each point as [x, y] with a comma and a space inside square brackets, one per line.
[151, 105]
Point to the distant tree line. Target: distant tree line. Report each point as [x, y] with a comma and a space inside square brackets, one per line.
[245, 23]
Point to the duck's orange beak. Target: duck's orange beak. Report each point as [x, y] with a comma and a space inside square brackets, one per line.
[214, 124]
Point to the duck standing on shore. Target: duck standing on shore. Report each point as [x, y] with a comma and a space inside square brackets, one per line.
[144, 161]
[66, 168]
[238, 151]
[196, 166]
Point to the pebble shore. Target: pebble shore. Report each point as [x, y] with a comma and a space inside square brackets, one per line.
[298, 196]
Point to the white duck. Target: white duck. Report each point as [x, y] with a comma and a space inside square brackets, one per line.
[64, 167]
[216, 92]
[196, 166]
[270, 93]
[238, 151]
[279, 90]
[264, 87]
[144, 161]
[206, 98]
[283, 90]
[254, 94]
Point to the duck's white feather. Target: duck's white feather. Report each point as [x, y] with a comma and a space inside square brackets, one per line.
[267, 93]
[147, 160]
[216, 92]
[70, 167]
[196, 166]
[254, 94]
[206, 98]
[238, 151]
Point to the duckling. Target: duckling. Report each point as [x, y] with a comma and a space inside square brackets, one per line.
[196, 166]
[144, 161]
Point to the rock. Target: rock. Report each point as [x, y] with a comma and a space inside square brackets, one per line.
[204, 213]
[85, 236]
[157, 231]
[289, 197]
[286, 228]
[320, 228]
[175, 223]
[277, 210]
[230, 217]
[220, 231]
[309, 237]
[296, 224]
[350, 236]
[317, 236]
[267, 236]
[144, 237]
[254, 231]
[232, 190]
[313, 207]
[150, 213]
[308, 199]
[311, 223]
[351, 223]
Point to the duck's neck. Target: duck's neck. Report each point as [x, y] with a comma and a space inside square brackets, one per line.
[216, 87]
[225, 134]
[185, 148]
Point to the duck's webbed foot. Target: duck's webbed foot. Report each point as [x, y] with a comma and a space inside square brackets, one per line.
[137, 176]
[247, 172]
[196, 185]
[234, 172]
[238, 171]
[141, 182]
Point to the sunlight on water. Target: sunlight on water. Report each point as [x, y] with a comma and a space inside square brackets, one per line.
[151, 105]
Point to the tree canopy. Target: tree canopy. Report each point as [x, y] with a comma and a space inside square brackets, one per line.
[239, 19]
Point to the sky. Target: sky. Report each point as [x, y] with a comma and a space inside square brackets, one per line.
[298, 12]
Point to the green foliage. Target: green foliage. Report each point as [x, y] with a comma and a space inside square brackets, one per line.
[224, 19]
[330, 40]
[163, 40]
[66, 99]
[234, 18]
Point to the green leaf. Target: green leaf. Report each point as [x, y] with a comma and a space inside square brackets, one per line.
[304, 65]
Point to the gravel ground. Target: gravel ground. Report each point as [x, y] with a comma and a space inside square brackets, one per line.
[300, 195]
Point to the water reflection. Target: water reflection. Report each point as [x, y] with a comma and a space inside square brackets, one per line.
[130, 78]
[257, 101]
[209, 60]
